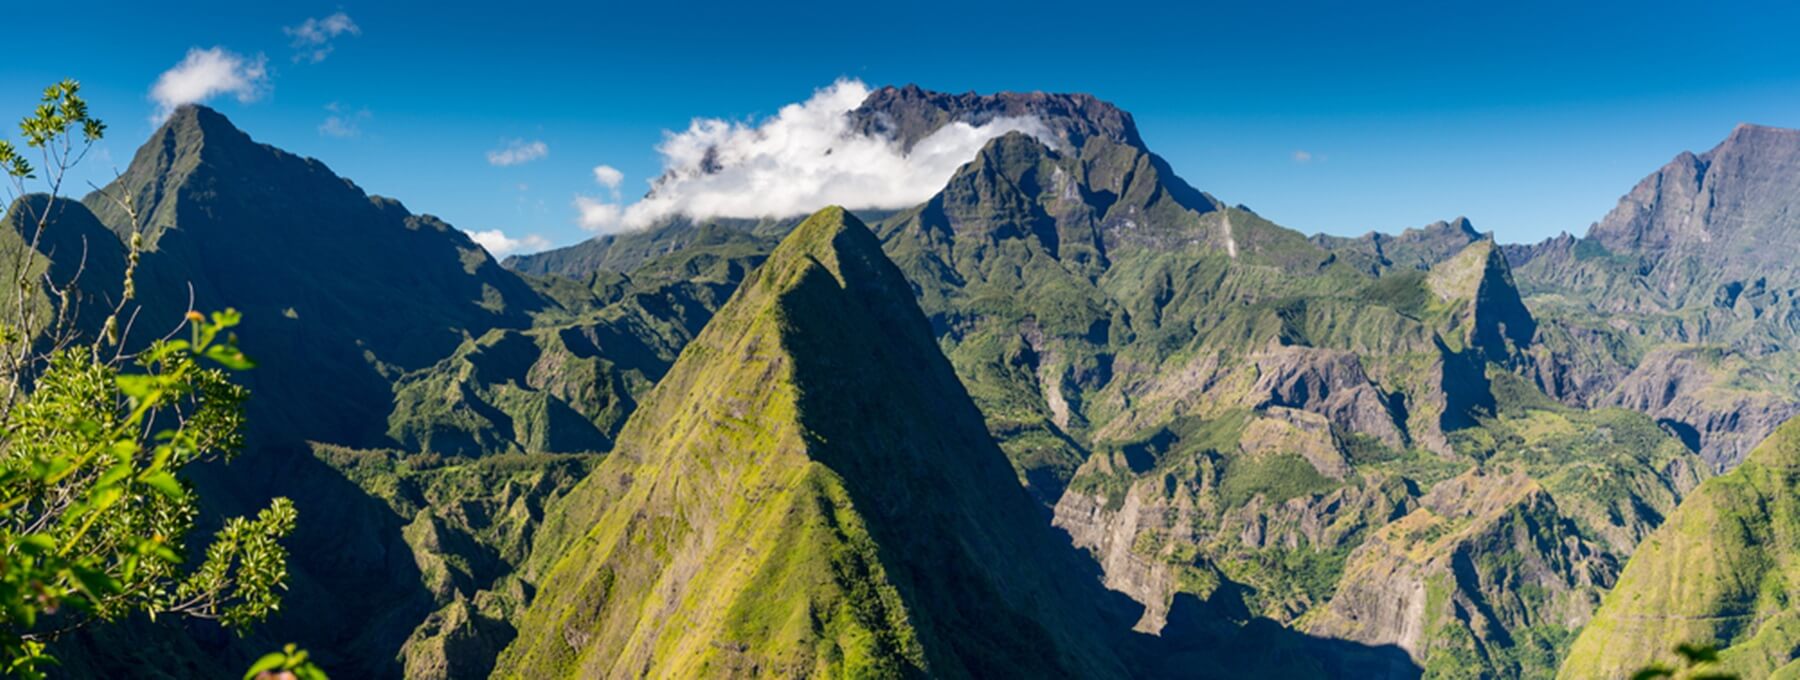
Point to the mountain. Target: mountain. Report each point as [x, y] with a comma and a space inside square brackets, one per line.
[1717, 573]
[567, 384]
[626, 251]
[810, 491]
[1227, 415]
[1418, 248]
[332, 309]
[76, 253]
[704, 448]
[911, 113]
[343, 295]
[1697, 261]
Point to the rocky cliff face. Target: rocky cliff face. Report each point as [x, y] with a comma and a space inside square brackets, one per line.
[1691, 390]
[1723, 206]
[1698, 253]
[909, 114]
[1469, 577]
[1171, 534]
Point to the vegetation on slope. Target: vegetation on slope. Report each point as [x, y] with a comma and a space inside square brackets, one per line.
[769, 508]
[1719, 572]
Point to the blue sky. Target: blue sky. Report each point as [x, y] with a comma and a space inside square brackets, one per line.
[1530, 118]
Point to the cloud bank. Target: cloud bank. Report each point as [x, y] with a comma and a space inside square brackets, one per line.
[517, 152]
[312, 38]
[802, 159]
[204, 74]
[499, 244]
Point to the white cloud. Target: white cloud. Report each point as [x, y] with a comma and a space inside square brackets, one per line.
[802, 159]
[609, 177]
[1303, 157]
[518, 151]
[341, 123]
[599, 215]
[312, 38]
[204, 74]
[499, 245]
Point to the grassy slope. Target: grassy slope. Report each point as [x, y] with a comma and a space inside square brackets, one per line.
[1721, 571]
[748, 519]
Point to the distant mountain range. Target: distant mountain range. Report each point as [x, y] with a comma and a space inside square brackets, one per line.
[1067, 417]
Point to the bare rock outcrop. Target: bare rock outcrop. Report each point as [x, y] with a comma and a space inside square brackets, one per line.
[1485, 552]
[1688, 390]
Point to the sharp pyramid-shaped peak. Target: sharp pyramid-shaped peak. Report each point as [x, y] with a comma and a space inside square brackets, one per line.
[841, 243]
[1462, 275]
[199, 155]
[195, 123]
[282, 238]
[191, 136]
[808, 491]
[1480, 275]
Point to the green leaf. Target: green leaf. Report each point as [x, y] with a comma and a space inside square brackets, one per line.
[137, 387]
[113, 475]
[165, 553]
[164, 482]
[94, 582]
[268, 662]
[230, 357]
[102, 499]
[37, 544]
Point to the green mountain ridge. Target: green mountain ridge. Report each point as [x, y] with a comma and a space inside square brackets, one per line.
[762, 456]
[1719, 572]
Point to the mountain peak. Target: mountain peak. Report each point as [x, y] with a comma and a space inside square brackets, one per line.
[1739, 197]
[1463, 226]
[911, 113]
[1498, 319]
[1746, 132]
[830, 234]
[808, 487]
[199, 116]
[243, 224]
[1418, 248]
[191, 127]
[845, 248]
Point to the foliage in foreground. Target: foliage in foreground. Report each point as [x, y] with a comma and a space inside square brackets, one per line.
[93, 518]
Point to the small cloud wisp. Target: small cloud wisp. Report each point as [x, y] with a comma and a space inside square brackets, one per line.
[204, 74]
